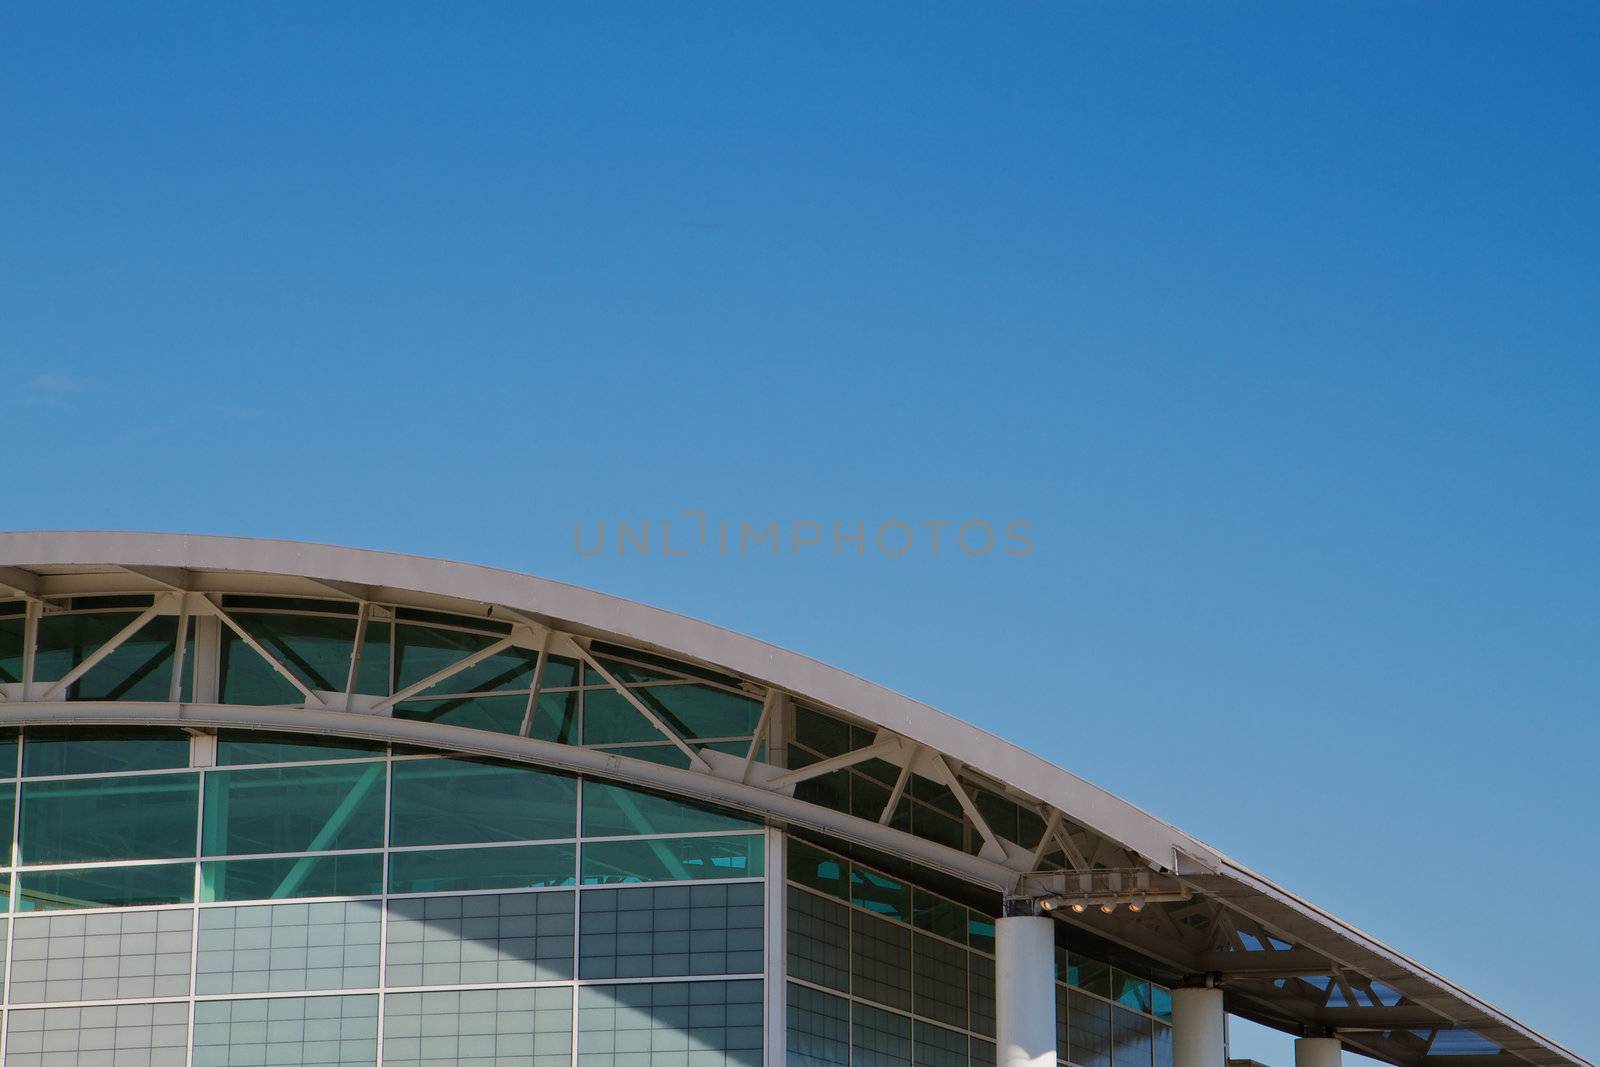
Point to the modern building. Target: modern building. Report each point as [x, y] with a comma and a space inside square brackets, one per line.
[276, 803]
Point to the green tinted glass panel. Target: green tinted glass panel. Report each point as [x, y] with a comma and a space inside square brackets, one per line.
[980, 933]
[501, 715]
[511, 669]
[235, 747]
[1089, 975]
[64, 641]
[243, 677]
[939, 916]
[456, 869]
[831, 791]
[294, 809]
[700, 711]
[879, 893]
[879, 1038]
[1002, 814]
[934, 794]
[456, 801]
[284, 878]
[13, 631]
[421, 651]
[315, 647]
[616, 811]
[138, 669]
[673, 667]
[106, 887]
[1129, 991]
[1161, 1003]
[822, 733]
[555, 718]
[819, 870]
[937, 1047]
[84, 820]
[934, 825]
[609, 719]
[624, 672]
[8, 809]
[101, 750]
[447, 618]
[673, 859]
[372, 676]
[10, 740]
[559, 671]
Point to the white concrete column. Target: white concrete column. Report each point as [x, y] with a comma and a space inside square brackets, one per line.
[1025, 990]
[1198, 1036]
[1317, 1052]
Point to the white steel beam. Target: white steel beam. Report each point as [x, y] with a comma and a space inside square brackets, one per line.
[539, 665]
[767, 706]
[881, 749]
[255, 646]
[92, 660]
[22, 583]
[695, 759]
[180, 652]
[382, 706]
[899, 789]
[175, 579]
[610, 765]
[991, 840]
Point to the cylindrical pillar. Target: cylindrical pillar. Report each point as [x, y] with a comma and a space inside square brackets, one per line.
[1025, 990]
[1198, 1038]
[1316, 1052]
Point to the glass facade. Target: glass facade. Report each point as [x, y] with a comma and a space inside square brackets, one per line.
[282, 650]
[320, 901]
[251, 897]
[882, 973]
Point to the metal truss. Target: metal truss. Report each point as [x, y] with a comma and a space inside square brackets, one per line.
[1178, 923]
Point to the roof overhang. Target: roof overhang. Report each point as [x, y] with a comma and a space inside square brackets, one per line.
[44, 564]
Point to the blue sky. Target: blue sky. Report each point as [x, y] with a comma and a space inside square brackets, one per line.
[1277, 322]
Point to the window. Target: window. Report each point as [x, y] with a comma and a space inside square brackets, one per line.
[286, 877]
[294, 809]
[103, 750]
[617, 811]
[457, 801]
[454, 869]
[673, 859]
[666, 931]
[95, 819]
[106, 887]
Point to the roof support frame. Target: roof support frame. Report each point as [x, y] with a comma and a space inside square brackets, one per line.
[116, 641]
[450, 670]
[696, 760]
[712, 787]
[883, 748]
[23, 583]
[255, 646]
[69, 564]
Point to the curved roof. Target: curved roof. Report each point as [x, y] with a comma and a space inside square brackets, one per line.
[1280, 959]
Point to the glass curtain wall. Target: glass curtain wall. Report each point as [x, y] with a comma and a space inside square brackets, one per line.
[325, 901]
[882, 973]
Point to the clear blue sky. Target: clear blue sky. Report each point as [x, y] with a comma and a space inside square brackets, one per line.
[1278, 322]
